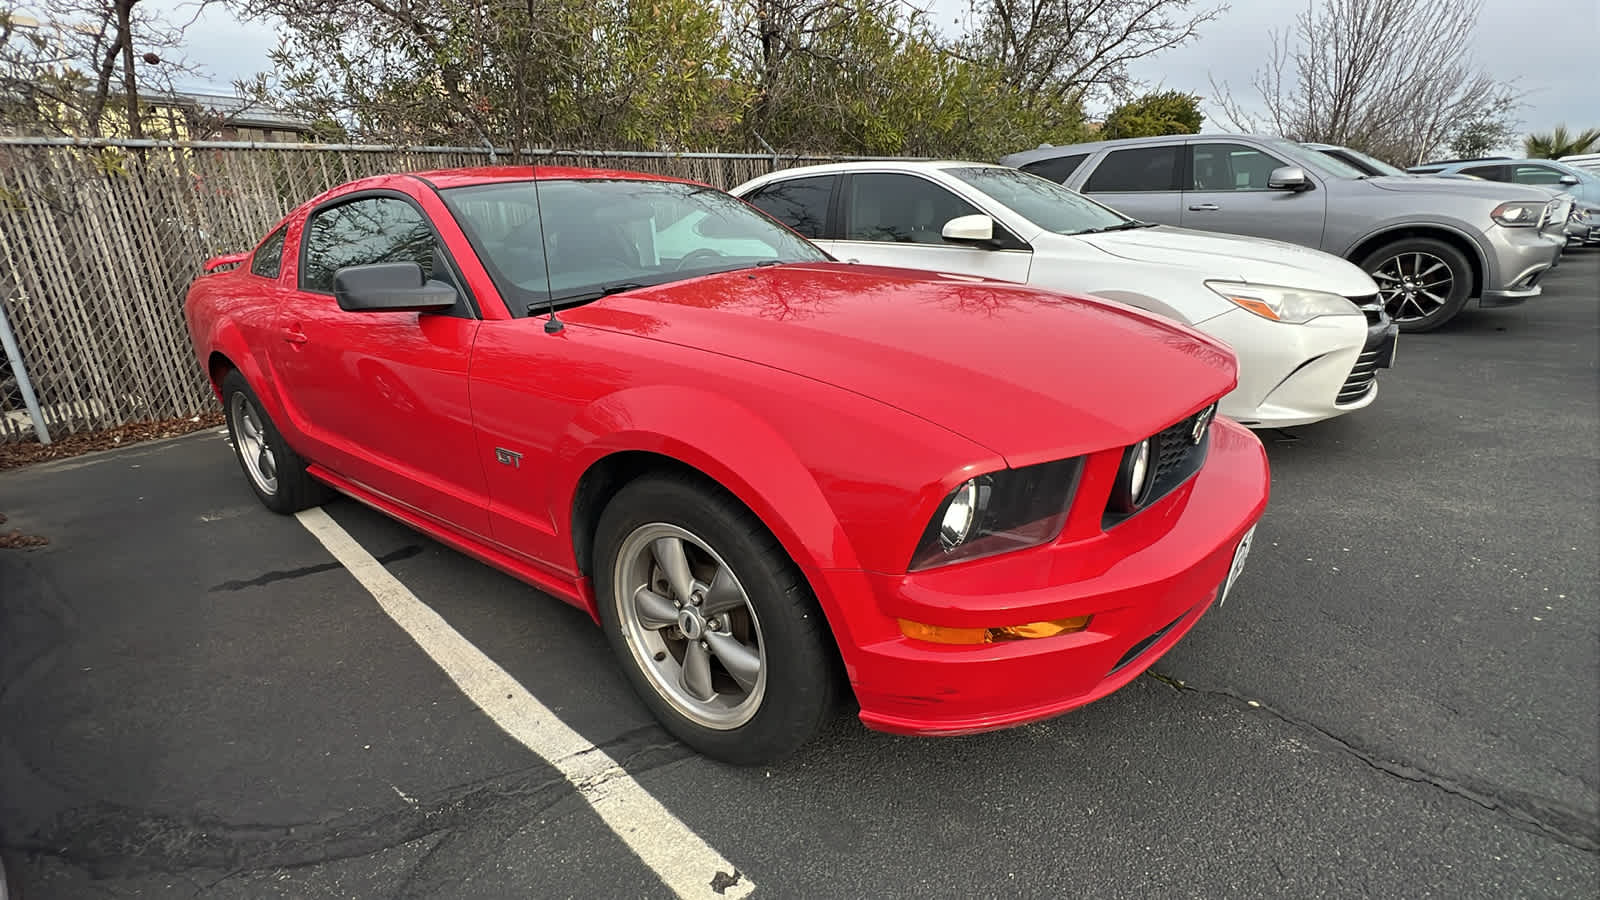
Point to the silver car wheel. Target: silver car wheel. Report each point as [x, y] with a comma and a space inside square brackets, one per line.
[1413, 285]
[690, 626]
[250, 440]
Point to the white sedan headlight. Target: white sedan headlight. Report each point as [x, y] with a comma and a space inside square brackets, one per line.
[1282, 304]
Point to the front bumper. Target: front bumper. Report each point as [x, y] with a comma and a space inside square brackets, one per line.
[1521, 256]
[1145, 582]
[1298, 374]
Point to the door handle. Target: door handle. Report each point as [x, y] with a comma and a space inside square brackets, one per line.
[295, 336]
[1204, 207]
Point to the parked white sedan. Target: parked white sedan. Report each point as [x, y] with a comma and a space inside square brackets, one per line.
[1306, 325]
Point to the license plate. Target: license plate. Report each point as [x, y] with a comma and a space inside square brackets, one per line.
[1239, 556]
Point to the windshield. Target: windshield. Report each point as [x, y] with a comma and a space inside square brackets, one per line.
[1041, 201]
[603, 236]
[1376, 163]
[1315, 160]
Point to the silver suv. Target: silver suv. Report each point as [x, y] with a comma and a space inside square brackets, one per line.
[1430, 244]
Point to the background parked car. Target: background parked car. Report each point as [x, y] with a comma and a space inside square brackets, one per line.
[1587, 161]
[1555, 175]
[1430, 244]
[1307, 327]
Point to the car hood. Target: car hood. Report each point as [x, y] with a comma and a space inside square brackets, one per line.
[1027, 373]
[1213, 255]
[1488, 190]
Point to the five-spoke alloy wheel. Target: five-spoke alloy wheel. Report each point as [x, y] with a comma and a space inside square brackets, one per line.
[255, 450]
[716, 628]
[690, 626]
[276, 473]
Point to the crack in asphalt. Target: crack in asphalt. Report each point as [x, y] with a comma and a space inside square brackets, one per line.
[109, 840]
[265, 578]
[1573, 827]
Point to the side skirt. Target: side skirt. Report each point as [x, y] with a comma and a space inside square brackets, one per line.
[578, 592]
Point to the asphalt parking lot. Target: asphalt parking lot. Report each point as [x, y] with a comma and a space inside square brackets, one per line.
[1398, 699]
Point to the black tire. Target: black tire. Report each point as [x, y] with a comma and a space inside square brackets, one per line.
[1406, 298]
[800, 687]
[291, 489]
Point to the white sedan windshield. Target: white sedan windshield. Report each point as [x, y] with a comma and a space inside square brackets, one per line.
[1041, 201]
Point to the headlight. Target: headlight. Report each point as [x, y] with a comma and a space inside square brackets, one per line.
[1282, 304]
[1518, 215]
[998, 512]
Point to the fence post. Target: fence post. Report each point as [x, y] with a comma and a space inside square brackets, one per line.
[14, 354]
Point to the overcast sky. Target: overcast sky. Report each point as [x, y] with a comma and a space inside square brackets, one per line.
[1550, 48]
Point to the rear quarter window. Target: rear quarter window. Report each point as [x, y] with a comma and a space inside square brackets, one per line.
[267, 261]
[1058, 169]
[1137, 169]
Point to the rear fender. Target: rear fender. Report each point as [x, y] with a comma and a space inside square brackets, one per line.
[227, 340]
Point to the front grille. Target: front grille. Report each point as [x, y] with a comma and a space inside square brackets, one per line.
[1363, 378]
[1370, 307]
[1177, 458]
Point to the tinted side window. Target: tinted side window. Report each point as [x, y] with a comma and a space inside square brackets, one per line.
[373, 230]
[268, 258]
[1137, 169]
[1058, 169]
[1492, 173]
[900, 209]
[1231, 167]
[800, 203]
[1536, 175]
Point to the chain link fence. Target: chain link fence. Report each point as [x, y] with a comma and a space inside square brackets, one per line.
[99, 241]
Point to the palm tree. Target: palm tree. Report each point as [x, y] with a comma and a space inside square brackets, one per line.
[1559, 143]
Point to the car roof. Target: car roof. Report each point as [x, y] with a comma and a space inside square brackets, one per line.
[869, 165]
[1494, 161]
[1023, 157]
[463, 177]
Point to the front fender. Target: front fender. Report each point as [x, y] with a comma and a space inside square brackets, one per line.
[727, 442]
[1473, 237]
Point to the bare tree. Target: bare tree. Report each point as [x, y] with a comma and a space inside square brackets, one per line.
[1079, 50]
[84, 63]
[1394, 78]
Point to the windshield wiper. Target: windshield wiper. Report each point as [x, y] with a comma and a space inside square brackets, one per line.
[579, 297]
[1120, 226]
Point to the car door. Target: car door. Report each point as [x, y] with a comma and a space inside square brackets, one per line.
[381, 396]
[1141, 182]
[1227, 191]
[897, 219]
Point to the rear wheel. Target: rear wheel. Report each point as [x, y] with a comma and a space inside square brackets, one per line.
[276, 473]
[716, 628]
[1422, 282]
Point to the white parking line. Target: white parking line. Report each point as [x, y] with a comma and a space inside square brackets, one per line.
[684, 861]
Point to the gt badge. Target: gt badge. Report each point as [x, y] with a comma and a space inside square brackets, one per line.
[508, 457]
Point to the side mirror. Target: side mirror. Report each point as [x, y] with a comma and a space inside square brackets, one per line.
[975, 229]
[390, 287]
[1288, 178]
[1569, 179]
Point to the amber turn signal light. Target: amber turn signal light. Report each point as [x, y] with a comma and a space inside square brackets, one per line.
[941, 634]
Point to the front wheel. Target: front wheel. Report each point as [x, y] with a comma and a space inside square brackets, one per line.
[1422, 282]
[716, 628]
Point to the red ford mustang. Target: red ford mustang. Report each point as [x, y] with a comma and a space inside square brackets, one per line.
[759, 469]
